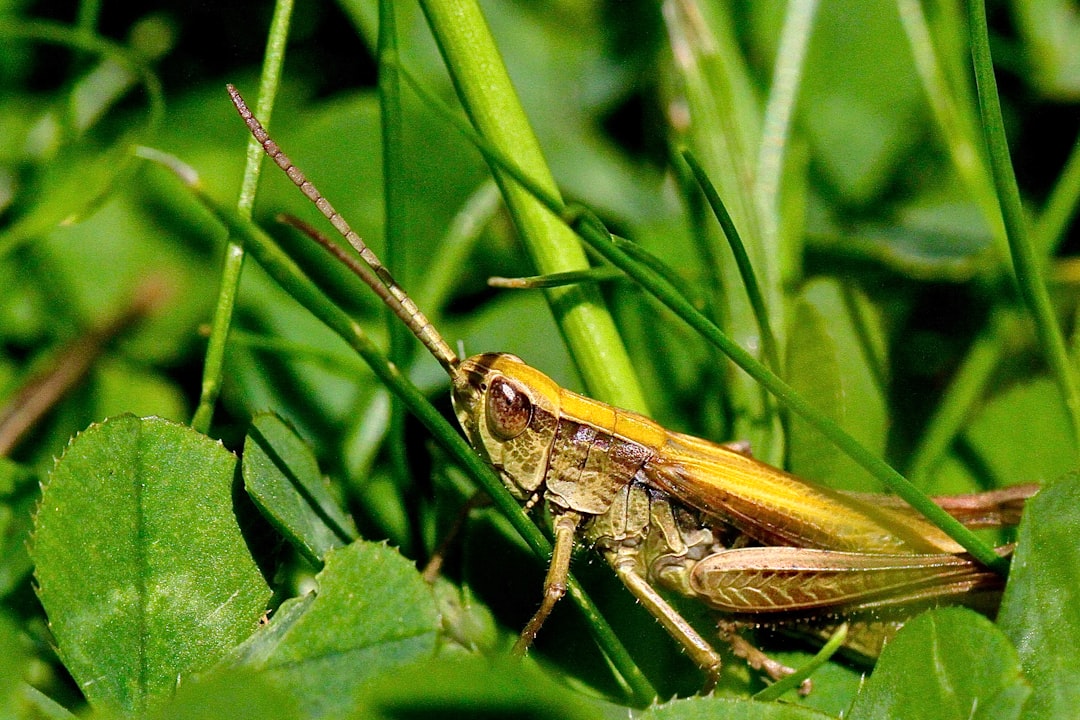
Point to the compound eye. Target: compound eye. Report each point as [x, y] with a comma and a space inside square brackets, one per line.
[509, 410]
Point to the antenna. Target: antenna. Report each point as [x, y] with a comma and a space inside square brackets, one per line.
[378, 277]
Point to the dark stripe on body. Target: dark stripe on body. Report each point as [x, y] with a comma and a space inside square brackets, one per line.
[587, 466]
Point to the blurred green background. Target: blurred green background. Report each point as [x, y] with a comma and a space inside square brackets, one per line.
[862, 193]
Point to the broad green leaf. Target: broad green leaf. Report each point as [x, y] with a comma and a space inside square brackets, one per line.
[860, 97]
[14, 662]
[706, 708]
[1023, 433]
[259, 646]
[229, 694]
[936, 236]
[372, 613]
[140, 563]
[1040, 609]
[947, 663]
[833, 360]
[835, 683]
[282, 476]
[471, 686]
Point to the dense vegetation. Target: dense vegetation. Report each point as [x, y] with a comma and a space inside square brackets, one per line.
[195, 550]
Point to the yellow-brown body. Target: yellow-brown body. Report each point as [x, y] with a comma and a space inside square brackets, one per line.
[657, 504]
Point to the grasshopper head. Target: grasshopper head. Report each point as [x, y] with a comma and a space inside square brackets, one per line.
[509, 412]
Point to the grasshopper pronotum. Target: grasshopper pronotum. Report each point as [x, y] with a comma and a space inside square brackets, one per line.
[697, 518]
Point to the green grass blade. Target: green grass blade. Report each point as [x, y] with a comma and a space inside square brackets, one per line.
[793, 681]
[535, 282]
[287, 274]
[214, 365]
[394, 220]
[777, 121]
[722, 128]
[491, 102]
[957, 129]
[742, 260]
[1026, 265]
[1060, 208]
[455, 246]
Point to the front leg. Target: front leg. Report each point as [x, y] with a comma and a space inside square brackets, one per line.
[566, 525]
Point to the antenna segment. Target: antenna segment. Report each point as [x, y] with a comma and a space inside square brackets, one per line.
[378, 278]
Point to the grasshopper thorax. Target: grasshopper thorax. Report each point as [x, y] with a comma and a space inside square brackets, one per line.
[509, 411]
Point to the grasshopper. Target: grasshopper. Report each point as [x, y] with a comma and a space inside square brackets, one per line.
[704, 520]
